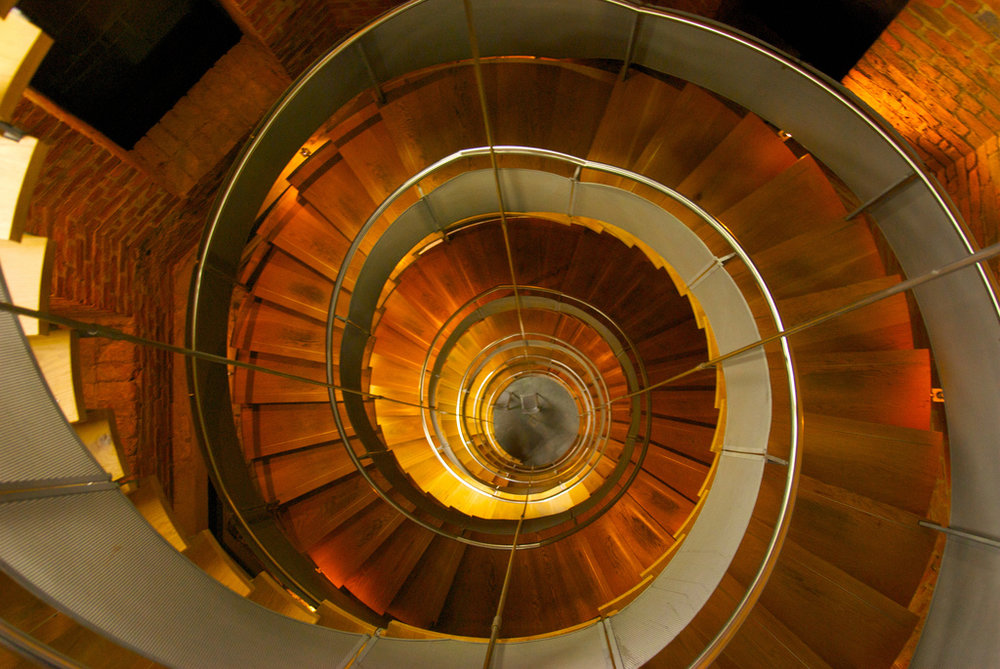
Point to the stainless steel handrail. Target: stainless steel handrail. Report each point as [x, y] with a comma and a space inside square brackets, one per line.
[887, 135]
[582, 163]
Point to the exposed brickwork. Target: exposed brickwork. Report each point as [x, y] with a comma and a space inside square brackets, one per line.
[934, 74]
[299, 31]
[974, 185]
[214, 117]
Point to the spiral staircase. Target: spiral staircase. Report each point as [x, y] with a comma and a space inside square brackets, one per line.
[524, 227]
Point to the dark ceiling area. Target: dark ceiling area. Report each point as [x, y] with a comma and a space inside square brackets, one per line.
[120, 65]
[830, 35]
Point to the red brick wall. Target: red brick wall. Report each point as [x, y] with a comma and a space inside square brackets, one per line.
[215, 116]
[299, 31]
[934, 75]
[974, 185]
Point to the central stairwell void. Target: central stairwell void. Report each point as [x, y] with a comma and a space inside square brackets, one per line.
[647, 225]
[513, 262]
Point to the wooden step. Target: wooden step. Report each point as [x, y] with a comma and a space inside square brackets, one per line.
[20, 166]
[374, 158]
[256, 387]
[149, 499]
[275, 330]
[336, 618]
[290, 475]
[894, 465]
[877, 544]
[339, 196]
[817, 260]
[58, 357]
[312, 518]
[341, 553]
[27, 269]
[684, 402]
[692, 440]
[824, 606]
[683, 474]
[695, 125]
[446, 102]
[380, 578]
[271, 429]
[798, 200]
[99, 433]
[268, 593]
[311, 239]
[561, 113]
[422, 596]
[634, 114]
[663, 504]
[206, 552]
[889, 387]
[881, 326]
[22, 48]
[747, 159]
[293, 285]
[471, 602]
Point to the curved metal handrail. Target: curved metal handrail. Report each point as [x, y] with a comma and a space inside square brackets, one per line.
[333, 322]
[886, 134]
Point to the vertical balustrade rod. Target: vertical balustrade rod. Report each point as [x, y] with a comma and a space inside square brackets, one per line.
[901, 287]
[95, 330]
[481, 89]
[498, 618]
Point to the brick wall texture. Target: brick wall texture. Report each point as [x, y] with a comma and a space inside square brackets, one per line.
[300, 31]
[213, 118]
[935, 75]
[122, 220]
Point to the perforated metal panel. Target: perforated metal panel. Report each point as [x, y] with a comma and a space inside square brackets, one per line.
[93, 555]
[36, 444]
[660, 613]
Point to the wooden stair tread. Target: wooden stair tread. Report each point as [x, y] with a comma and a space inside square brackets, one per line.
[313, 240]
[696, 124]
[58, 357]
[291, 284]
[749, 157]
[341, 553]
[27, 269]
[286, 476]
[797, 200]
[633, 115]
[683, 474]
[561, 114]
[99, 433]
[22, 48]
[873, 542]
[380, 578]
[208, 554]
[270, 429]
[271, 329]
[311, 519]
[149, 499]
[421, 598]
[268, 593]
[891, 387]
[256, 387]
[20, 166]
[894, 465]
[824, 606]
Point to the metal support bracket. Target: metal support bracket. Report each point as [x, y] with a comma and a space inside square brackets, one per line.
[992, 542]
[888, 192]
[377, 91]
